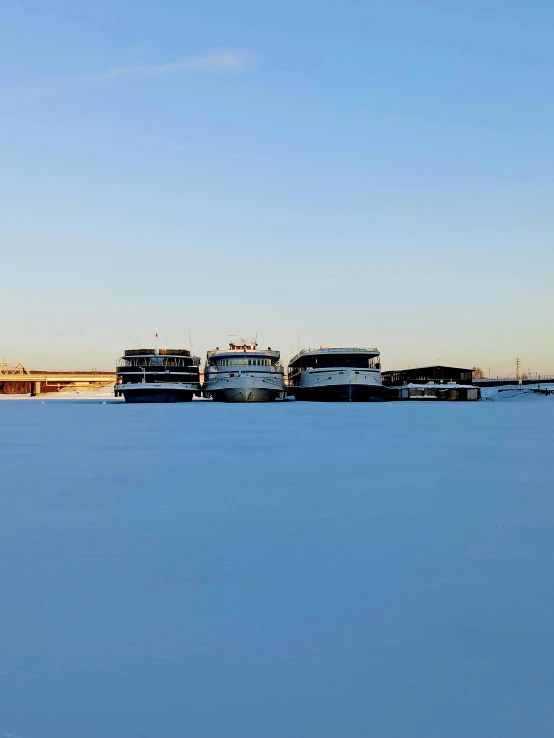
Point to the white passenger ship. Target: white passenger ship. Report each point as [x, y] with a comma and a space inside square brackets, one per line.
[337, 375]
[158, 375]
[243, 373]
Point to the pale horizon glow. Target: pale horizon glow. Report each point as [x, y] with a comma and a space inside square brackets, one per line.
[373, 174]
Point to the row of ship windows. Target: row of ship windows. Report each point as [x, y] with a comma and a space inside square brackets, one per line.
[157, 361]
[334, 362]
[244, 362]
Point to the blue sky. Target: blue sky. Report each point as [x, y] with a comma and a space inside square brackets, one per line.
[356, 172]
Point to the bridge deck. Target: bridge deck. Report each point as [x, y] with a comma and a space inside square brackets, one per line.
[503, 381]
[57, 377]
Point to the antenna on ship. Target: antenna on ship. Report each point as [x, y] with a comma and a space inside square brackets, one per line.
[156, 347]
[190, 344]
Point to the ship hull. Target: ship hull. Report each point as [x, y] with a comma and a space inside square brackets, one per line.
[245, 394]
[159, 393]
[343, 384]
[161, 396]
[341, 393]
[245, 386]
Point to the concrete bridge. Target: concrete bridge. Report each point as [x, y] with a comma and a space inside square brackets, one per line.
[17, 379]
[503, 381]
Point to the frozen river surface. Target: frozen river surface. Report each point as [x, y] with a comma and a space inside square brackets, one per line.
[281, 571]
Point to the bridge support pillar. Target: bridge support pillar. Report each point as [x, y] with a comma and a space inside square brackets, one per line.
[35, 389]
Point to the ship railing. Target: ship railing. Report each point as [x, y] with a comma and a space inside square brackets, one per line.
[339, 350]
[342, 350]
[157, 362]
[224, 353]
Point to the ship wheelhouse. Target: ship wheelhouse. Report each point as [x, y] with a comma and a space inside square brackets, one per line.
[158, 365]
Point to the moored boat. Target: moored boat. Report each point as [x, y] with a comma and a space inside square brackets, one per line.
[331, 374]
[243, 373]
[158, 375]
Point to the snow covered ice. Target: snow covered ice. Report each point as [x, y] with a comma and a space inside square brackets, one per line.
[291, 570]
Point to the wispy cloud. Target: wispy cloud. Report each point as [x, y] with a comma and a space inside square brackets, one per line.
[229, 61]
[218, 63]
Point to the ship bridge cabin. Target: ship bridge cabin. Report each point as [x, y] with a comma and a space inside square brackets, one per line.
[157, 365]
[244, 353]
[327, 357]
[426, 374]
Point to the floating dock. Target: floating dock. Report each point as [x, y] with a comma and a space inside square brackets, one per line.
[442, 391]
